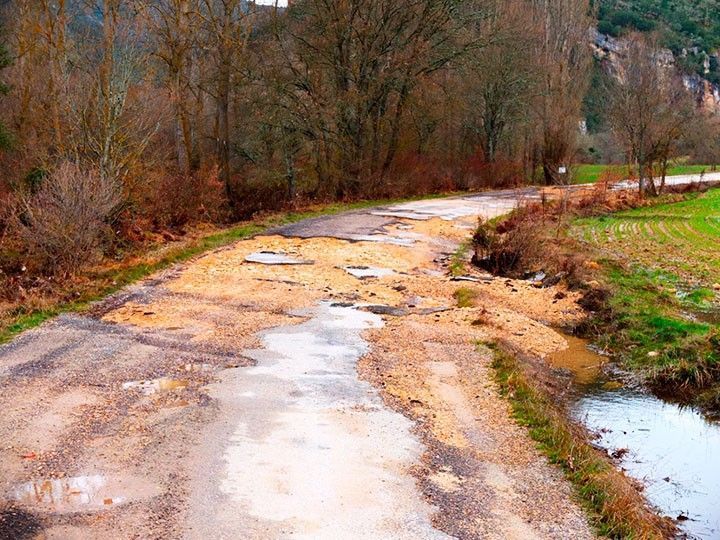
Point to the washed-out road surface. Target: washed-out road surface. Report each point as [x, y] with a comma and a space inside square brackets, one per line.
[318, 381]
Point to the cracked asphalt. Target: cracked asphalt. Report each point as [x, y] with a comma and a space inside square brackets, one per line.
[231, 398]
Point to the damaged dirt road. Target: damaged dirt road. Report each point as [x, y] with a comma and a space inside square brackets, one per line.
[316, 382]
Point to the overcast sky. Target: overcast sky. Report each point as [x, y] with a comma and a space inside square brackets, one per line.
[281, 3]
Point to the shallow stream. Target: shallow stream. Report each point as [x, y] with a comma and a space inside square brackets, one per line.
[673, 450]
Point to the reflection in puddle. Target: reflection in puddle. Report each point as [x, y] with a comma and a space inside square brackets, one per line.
[363, 272]
[153, 386]
[67, 494]
[672, 450]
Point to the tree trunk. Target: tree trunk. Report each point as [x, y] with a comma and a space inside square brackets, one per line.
[107, 68]
[223, 142]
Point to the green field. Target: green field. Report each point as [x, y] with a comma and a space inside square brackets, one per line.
[662, 266]
[588, 174]
[681, 238]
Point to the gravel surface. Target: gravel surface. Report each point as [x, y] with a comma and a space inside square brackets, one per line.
[235, 399]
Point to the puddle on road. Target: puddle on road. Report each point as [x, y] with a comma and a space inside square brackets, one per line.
[672, 450]
[363, 272]
[195, 368]
[385, 239]
[273, 258]
[67, 494]
[153, 386]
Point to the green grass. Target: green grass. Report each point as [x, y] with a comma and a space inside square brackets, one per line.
[615, 507]
[465, 297]
[458, 260]
[680, 238]
[662, 265]
[106, 282]
[589, 174]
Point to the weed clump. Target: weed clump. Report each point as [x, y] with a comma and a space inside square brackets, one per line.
[465, 297]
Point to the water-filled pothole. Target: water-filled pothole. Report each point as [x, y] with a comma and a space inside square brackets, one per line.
[273, 258]
[153, 386]
[67, 494]
[364, 272]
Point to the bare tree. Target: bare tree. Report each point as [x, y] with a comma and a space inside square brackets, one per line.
[650, 110]
[501, 82]
[351, 68]
[227, 28]
[5, 61]
[113, 138]
[564, 59]
[174, 25]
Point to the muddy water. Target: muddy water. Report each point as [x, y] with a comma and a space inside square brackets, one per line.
[584, 363]
[673, 450]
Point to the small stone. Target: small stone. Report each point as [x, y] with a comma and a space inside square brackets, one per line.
[653, 354]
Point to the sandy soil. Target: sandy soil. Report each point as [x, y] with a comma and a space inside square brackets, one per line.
[229, 399]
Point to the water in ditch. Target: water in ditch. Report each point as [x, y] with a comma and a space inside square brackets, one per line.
[673, 450]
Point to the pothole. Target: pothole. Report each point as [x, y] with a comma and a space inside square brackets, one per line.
[365, 272]
[153, 386]
[81, 493]
[68, 494]
[446, 481]
[274, 258]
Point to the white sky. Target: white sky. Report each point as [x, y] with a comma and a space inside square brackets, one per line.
[281, 3]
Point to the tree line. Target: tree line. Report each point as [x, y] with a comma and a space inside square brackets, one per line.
[137, 115]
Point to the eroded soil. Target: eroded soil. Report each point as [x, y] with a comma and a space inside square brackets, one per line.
[238, 396]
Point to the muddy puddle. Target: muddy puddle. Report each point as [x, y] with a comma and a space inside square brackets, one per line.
[674, 451]
[163, 384]
[584, 363]
[67, 494]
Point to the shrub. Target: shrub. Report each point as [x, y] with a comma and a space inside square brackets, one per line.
[510, 253]
[178, 199]
[65, 223]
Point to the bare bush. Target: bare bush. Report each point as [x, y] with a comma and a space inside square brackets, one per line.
[178, 199]
[510, 253]
[66, 221]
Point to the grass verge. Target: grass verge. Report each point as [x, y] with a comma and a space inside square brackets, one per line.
[104, 281]
[615, 506]
[661, 317]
